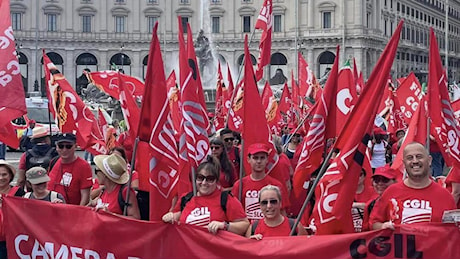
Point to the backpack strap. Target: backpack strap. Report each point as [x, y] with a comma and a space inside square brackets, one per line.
[53, 162]
[27, 195]
[223, 200]
[237, 154]
[53, 195]
[254, 226]
[121, 201]
[291, 224]
[185, 199]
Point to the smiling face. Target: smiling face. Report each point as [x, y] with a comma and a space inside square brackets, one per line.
[65, 150]
[40, 188]
[381, 183]
[416, 161]
[206, 182]
[270, 204]
[5, 177]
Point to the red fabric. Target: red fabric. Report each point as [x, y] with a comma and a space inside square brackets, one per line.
[442, 126]
[367, 194]
[13, 98]
[131, 112]
[251, 188]
[409, 93]
[264, 22]
[127, 143]
[232, 155]
[453, 177]
[174, 98]
[322, 127]
[111, 199]
[397, 120]
[158, 158]
[283, 169]
[103, 125]
[80, 174]
[270, 105]
[224, 181]
[219, 118]
[296, 100]
[201, 210]
[336, 189]
[402, 204]
[108, 81]
[70, 111]
[346, 97]
[283, 229]
[22, 162]
[185, 241]
[8, 135]
[303, 75]
[285, 103]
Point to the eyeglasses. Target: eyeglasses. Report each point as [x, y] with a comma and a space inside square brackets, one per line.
[380, 179]
[67, 146]
[229, 139]
[265, 202]
[215, 147]
[209, 179]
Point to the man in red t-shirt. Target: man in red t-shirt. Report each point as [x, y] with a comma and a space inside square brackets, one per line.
[233, 153]
[416, 199]
[71, 175]
[253, 183]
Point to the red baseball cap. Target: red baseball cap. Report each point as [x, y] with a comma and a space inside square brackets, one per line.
[379, 131]
[210, 114]
[385, 171]
[32, 121]
[258, 148]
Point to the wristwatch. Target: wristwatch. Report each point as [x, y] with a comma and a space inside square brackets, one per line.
[226, 225]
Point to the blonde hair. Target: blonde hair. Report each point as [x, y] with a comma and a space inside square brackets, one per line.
[273, 188]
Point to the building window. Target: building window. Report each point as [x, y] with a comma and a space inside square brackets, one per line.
[215, 1]
[86, 23]
[215, 24]
[277, 23]
[151, 20]
[119, 1]
[119, 24]
[152, 1]
[52, 22]
[185, 1]
[327, 23]
[16, 21]
[246, 23]
[184, 21]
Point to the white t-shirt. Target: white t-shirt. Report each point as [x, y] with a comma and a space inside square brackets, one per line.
[378, 156]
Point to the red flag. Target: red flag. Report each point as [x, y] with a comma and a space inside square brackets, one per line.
[194, 143]
[182, 54]
[264, 22]
[174, 101]
[359, 83]
[313, 144]
[103, 125]
[346, 97]
[219, 118]
[416, 132]
[230, 85]
[271, 109]
[156, 129]
[335, 191]
[296, 101]
[285, 103]
[396, 120]
[107, 81]
[12, 102]
[69, 111]
[131, 112]
[444, 127]
[254, 113]
[235, 113]
[409, 94]
[303, 76]
[8, 135]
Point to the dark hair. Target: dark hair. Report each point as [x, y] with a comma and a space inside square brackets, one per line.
[225, 131]
[10, 173]
[225, 163]
[237, 136]
[211, 165]
[119, 149]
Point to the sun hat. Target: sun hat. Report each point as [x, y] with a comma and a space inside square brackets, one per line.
[40, 131]
[7, 164]
[113, 166]
[37, 175]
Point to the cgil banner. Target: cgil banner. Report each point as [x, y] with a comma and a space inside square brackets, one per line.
[36, 229]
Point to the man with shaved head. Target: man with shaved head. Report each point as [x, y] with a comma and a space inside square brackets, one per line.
[416, 199]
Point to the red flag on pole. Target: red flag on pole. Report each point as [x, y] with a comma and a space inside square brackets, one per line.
[313, 144]
[174, 101]
[12, 102]
[346, 97]
[271, 109]
[69, 111]
[336, 189]
[444, 127]
[131, 112]
[264, 22]
[284, 106]
[156, 129]
[107, 81]
[103, 125]
[409, 94]
[219, 113]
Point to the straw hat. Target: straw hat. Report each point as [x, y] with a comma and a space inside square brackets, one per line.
[9, 166]
[40, 131]
[113, 166]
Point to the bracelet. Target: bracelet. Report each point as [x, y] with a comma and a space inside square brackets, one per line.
[226, 225]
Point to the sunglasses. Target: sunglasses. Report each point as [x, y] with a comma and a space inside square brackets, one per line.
[272, 202]
[215, 147]
[229, 139]
[380, 179]
[67, 146]
[209, 179]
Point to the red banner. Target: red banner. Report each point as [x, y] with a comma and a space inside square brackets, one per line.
[68, 231]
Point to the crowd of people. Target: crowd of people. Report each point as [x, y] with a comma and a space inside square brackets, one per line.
[258, 205]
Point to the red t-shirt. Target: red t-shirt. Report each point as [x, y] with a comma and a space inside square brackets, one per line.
[125, 140]
[283, 229]
[111, 199]
[22, 162]
[453, 177]
[224, 181]
[281, 171]
[70, 178]
[367, 194]
[251, 190]
[405, 205]
[201, 210]
[231, 154]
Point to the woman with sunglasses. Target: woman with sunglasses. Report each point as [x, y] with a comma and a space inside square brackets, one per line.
[273, 223]
[227, 171]
[205, 208]
[382, 179]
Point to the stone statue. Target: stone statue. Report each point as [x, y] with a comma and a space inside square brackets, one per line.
[204, 54]
[279, 78]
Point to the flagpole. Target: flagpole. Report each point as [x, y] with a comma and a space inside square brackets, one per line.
[296, 37]
[240, 188]
[297, 128]
[311, 191]
[446, 46]
[131, 170]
